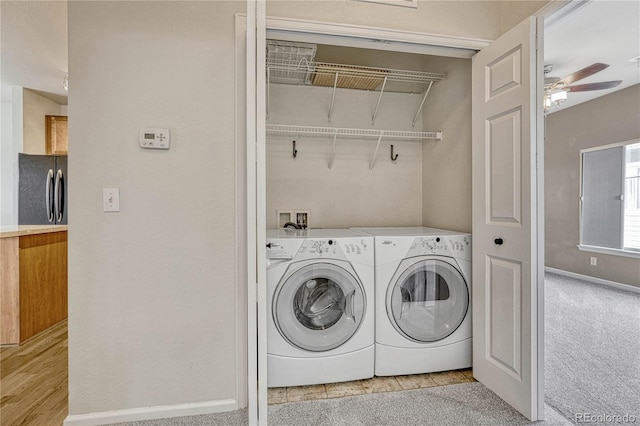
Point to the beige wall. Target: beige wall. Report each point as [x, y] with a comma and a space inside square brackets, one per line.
[513, 12]
[609, 119]
[475, 19]
[35, 108]
[446, 172]
[152, 288]
[349, 194]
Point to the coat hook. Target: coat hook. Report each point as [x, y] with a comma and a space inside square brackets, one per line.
[295, 151]
[393, 158]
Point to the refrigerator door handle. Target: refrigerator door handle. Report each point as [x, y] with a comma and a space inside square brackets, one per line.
[58, 195]
[48, 201]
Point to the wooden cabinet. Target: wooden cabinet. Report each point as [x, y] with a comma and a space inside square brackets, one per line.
[9, 290]
[56, 134]
[43, 282]
[34, 284]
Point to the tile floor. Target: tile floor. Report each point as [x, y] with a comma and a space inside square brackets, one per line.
[373, 385]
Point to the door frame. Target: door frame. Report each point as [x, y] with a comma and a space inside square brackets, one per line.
[362, 36]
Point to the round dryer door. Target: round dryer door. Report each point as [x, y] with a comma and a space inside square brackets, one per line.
[428, 301]
[319, 307]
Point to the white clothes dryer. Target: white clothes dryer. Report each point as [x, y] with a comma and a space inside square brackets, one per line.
[320, 289]
[423, 309]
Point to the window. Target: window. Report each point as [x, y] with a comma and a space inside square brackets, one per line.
[632, 197]
[610, 199]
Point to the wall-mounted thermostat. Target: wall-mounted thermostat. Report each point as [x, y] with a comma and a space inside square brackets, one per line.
[155, 138]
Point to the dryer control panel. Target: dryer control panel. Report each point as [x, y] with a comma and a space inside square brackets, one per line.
[458, 246]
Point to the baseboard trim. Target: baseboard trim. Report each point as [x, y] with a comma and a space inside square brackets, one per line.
[151, 413]
[620, 286]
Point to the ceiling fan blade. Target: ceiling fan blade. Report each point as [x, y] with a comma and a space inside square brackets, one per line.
[593, 86]
[583, 73]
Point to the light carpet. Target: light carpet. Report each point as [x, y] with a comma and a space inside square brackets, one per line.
[462, 404]
[592, 348]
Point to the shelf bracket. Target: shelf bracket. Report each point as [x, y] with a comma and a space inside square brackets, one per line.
[375, 113]
[424, 98]
[333, 95]
[333, 148]
[375, 154]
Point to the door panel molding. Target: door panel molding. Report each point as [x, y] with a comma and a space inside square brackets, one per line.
[503, 168]
[504, 73]
[504, 280]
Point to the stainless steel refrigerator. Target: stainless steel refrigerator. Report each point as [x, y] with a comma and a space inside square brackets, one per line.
[42, 197]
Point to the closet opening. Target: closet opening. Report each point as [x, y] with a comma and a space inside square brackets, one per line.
[359, 135]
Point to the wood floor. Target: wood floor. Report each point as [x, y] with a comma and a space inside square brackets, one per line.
[373, 385]
[34, 380]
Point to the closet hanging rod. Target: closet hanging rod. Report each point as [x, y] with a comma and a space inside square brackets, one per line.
[350, 132]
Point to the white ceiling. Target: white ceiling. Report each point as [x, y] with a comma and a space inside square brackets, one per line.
[34, 46]
[595, 31]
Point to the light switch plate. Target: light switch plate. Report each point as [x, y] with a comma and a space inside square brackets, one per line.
[111, 199]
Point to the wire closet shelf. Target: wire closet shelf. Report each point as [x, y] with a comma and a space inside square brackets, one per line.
[302, 71]
[335, 132]
[279, 129]
[294, 64]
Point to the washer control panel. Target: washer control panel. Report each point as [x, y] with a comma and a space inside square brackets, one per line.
[319, 247]
[430, 245]
[355, 247]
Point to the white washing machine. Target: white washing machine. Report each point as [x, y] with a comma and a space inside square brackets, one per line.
[320, 289]
[423, 309]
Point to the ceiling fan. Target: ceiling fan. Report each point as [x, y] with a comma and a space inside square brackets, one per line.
[556, 89]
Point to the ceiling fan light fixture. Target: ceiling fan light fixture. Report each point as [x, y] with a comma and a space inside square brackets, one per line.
[554, 99]
[558, 97]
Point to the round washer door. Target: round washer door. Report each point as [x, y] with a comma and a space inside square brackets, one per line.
[428, 301]
[319, 307]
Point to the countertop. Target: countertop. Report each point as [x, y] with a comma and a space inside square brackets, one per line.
[7, 231]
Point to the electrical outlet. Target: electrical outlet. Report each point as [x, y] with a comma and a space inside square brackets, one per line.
[594, 261]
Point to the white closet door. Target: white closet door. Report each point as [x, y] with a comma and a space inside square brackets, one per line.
[505, 220]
